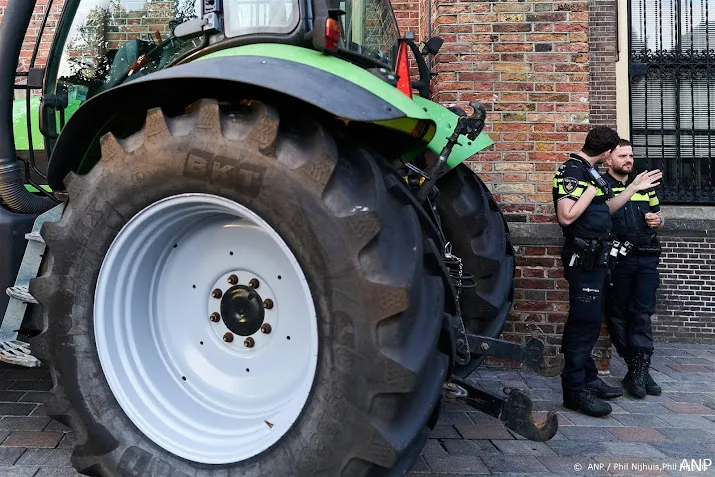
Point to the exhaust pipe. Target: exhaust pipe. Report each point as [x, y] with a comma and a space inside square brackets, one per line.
[12, 187]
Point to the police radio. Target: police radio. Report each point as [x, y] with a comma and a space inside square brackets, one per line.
[595, 176]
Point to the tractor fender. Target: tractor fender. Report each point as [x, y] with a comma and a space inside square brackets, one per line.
[337, 94]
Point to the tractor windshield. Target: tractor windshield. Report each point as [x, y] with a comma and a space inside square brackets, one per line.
[370, 29]
[112, 41]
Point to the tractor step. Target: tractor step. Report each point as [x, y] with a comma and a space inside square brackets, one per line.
[20, 293]
[12, 350]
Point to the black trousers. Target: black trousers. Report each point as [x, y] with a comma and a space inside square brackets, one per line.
[631, 303]
[587, 291]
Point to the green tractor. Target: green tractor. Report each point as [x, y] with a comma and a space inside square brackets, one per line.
[244, 241]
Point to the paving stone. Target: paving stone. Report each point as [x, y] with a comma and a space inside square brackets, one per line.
[466, 447]
[433, 449]
[39, 397]
[34, 439]
[637, 434]
[692, 360]
[632, 449]
[5, 384]
[30, 386]
[17, 471]
[11, 396]
[640, 420]
[454, 417]
[55, 425]
[682, 450]
[67, 441]
[24, 374]
[593, 434]
[523, 447]
[420, 465]
[691, 368]
[441, 432]
[457, 463]
[579, 419]
[53, 472]
[688, 408]
[577, 448]
[566, 466]
[699, 398]
[513, 463]
[46, 457]
[9, 455]
[688, 421]
[477, 417]
[29, 423]
[483, 431]
[687, 435]
[647, 407]
[16, 409]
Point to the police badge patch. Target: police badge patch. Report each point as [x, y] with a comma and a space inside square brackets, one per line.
[570, 184]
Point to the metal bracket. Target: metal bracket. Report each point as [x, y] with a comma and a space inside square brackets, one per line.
[531, 354]
[515, 411]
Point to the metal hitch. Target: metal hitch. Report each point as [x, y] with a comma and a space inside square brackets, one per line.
[531, 354]
[514, 409]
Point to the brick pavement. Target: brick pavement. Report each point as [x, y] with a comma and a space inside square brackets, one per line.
[679, 424]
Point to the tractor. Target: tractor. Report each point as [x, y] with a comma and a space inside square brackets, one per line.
[244, 241]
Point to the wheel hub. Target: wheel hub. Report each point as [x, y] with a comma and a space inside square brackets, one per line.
[236, 308]
[242, 310]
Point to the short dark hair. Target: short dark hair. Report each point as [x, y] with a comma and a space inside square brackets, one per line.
[599, 140]
[624, 142]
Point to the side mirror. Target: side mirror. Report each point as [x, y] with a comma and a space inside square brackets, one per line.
[432, 46]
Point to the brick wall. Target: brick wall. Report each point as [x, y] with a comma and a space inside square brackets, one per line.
[603, 56]
[530, 64]
[686, 299]
[28, 45]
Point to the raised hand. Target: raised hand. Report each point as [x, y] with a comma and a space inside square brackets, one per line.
[646, 180]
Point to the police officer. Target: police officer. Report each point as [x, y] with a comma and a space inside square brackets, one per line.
[584, 203]
[635, 278]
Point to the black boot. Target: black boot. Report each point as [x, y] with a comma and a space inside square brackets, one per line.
[652, 387]
[636, 379]
[586, 402]
[603, 390]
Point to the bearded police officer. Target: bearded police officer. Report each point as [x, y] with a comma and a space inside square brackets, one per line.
[584, 203]
[635, 278]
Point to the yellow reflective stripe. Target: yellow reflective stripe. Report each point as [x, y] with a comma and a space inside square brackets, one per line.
[653, 201]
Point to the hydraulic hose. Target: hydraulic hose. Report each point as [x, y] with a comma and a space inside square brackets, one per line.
[12, 188]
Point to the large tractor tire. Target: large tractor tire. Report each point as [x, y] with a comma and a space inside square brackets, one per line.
[479, 234]
[240, 293]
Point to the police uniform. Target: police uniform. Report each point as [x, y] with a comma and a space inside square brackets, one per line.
[585, 268]
[634, 281]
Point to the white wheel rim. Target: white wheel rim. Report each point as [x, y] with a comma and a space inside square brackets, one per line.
[152, 329]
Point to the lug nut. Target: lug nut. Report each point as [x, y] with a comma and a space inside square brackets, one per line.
[268, 303]
[228, 337]
[254, 283]
[266, 328]
[233, 279]
[217, 293]
[249, 342]
[215, 317]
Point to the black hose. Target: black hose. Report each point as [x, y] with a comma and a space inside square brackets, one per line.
[12, 181]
